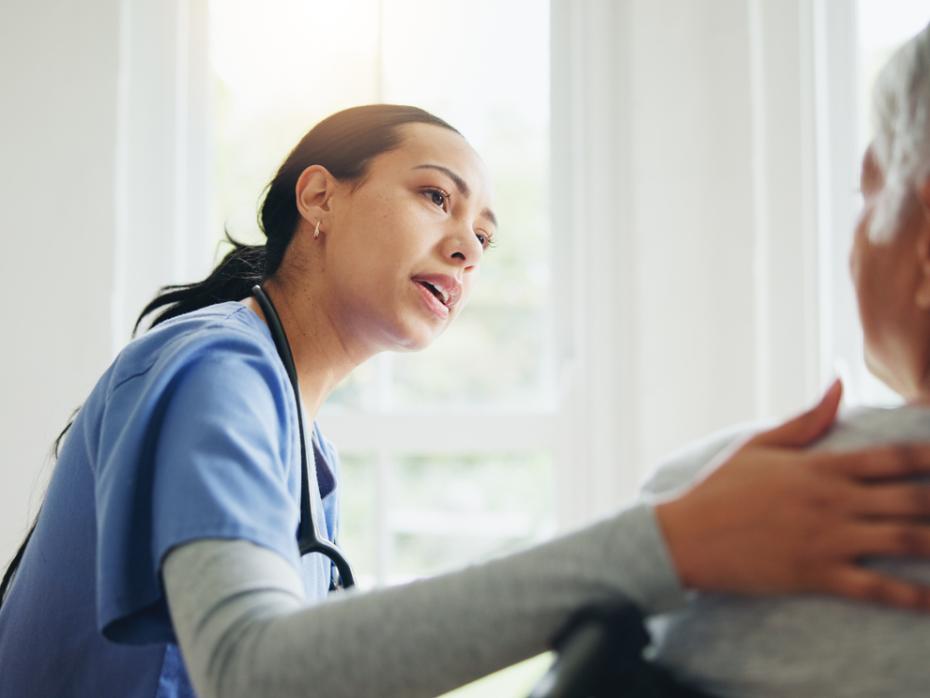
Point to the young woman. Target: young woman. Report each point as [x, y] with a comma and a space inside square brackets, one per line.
[167, 555]
[817, 646]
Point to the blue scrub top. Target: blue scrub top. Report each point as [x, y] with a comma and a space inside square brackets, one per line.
[191, 433]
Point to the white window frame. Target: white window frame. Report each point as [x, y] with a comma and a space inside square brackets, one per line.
[838, 156]
[162, 154]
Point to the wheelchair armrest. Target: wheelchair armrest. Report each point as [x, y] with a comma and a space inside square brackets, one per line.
[599, 645]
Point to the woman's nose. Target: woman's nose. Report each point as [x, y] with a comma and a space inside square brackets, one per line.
[465, 249]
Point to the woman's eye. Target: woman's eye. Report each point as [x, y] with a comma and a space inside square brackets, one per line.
[438, 197]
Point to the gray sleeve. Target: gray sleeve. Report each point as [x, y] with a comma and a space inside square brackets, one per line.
[688, 464]
[244, 629]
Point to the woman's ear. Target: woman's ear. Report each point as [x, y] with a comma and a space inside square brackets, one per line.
[313, 190]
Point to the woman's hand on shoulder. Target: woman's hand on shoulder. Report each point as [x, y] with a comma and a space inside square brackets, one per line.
[775, 518]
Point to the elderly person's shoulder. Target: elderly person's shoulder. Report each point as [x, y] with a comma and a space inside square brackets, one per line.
[804, 645]
[856, 427]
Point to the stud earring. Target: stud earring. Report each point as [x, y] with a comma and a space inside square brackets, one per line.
[316, 230]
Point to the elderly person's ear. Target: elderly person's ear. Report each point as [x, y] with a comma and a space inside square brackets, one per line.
[922, 295]
[923, 193]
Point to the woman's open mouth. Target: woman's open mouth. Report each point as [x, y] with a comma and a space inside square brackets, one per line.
[434, 299]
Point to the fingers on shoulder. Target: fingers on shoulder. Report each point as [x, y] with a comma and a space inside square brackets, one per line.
[879, 462]
[897, 499]
[880, 538]
[862, 584]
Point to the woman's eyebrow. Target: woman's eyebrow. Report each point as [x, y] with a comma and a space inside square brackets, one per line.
[461, 185]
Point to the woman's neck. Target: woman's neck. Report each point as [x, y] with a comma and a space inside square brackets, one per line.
[321, 357]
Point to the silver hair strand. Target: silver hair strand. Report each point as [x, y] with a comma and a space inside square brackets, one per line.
[901, 120]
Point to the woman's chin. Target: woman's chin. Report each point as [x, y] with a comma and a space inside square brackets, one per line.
[420, 342]
[416, 337]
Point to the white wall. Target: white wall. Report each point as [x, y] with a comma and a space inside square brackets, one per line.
[691, 149]
[724, 220]
[685, 183]
[104, 133]
[58, 76]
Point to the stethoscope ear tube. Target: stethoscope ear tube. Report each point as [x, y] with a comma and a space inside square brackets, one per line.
[307, 539]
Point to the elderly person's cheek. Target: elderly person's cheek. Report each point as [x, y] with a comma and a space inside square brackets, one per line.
[865, 270]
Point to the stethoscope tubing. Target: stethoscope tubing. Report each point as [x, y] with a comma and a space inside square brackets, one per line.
[307, 539]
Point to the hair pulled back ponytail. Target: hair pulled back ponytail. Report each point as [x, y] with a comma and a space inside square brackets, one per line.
[233, 278]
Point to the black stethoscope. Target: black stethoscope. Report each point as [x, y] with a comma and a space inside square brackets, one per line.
[307, 539]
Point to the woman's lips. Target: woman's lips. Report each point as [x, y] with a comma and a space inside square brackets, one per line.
[433, 304]
[448, 287]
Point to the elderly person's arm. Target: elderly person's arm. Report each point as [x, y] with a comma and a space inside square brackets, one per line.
[239, 617]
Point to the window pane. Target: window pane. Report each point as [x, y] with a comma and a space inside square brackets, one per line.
[463, 66]
[447, 510]
[491, 356]
[358, 525]
[278, 68]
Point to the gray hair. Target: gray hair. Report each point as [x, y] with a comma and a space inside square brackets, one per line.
[901, 120]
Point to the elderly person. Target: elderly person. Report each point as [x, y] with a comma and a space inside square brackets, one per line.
[815, 645]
